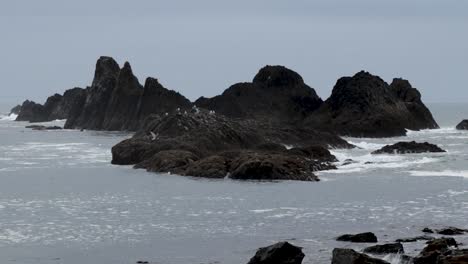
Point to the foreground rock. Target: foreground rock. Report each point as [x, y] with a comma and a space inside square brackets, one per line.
[435, 250]
[408, 147]
[203, 144]
[463, 125]
[279, 253]
[349, 256]
[367, 237]
[39, 127]
[393, 248]
[366, 106]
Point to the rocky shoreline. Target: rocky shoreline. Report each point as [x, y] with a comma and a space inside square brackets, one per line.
[241, 133]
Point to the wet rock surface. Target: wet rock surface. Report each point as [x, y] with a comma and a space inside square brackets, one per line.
[279, 253]
[393, 248]
[463, 125]
[408, 148]
[40, 127]
[350, 256]
[367, 237]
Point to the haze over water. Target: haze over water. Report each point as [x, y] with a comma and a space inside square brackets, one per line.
[61, 201]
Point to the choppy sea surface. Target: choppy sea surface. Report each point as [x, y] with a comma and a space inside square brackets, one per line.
[61, 201]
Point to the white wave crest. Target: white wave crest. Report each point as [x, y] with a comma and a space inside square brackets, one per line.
[11, 117]
[445, 173]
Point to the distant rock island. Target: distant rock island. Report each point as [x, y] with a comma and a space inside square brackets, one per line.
[241, 133]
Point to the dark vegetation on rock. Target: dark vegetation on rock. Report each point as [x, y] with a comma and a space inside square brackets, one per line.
[408, 148]
[463, 125]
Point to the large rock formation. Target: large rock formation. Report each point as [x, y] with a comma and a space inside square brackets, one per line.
[32, 112]
[275, 94]
[204, 144]
[463, 125]
[366, 106]
[15, 110]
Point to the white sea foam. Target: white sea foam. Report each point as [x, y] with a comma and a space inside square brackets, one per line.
[444, 173]
[367, 145]
[10, 117]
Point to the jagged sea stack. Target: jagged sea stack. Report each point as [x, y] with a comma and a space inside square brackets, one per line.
[366, 106]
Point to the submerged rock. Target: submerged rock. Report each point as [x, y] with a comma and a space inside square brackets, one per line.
[367, 237]
[366, 106]
[349, 256]
[279, 253]
[414, 239]
[463, 125]
[393, 248]
[451, 231]
[408, 147]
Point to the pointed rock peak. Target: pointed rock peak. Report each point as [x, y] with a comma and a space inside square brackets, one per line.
[105, 67]
[403, 90]
[152, 82]
[277, 76]
[400, 82]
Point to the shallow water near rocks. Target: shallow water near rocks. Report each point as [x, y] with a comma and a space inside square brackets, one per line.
[61, 201]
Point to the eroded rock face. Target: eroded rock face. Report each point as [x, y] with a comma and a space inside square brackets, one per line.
[366, 106]
[367, 237]
[279, 253]
[463, 125]
[349, 256]
[276, 93]
[408, 148]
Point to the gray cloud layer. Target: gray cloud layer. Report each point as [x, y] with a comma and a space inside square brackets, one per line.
[202, 47]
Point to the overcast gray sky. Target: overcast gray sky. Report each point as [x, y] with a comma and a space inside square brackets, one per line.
[202, 47]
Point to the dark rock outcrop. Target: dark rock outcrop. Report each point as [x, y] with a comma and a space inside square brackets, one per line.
[463, 125]
[366, 106]
[15, 110]
[204, 144]
[393, 248]
[408, 147]
[349, 256]
[279, 253]
[32, 112]
[39, 127]
[117, 101]
[276, 94]
[367, 237]
[448, 231]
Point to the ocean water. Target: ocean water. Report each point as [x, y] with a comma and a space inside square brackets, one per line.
[61, 201]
